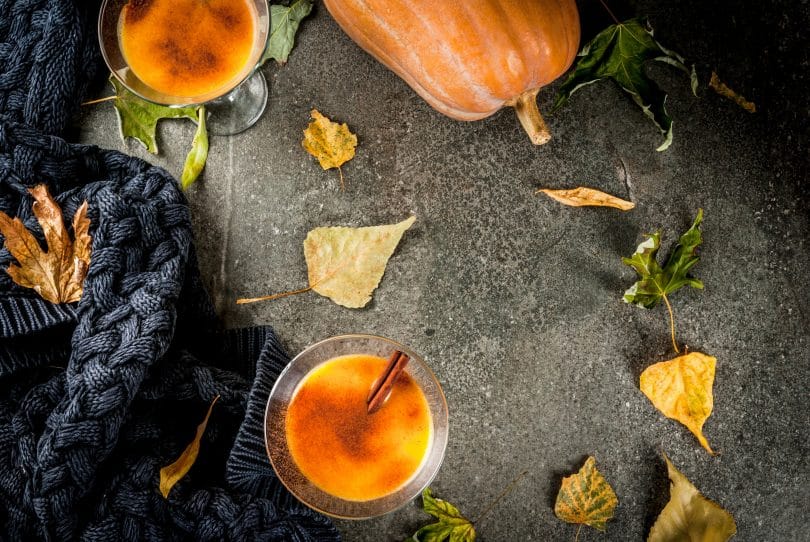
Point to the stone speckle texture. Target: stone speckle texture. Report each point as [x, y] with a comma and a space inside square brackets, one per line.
[514, 300]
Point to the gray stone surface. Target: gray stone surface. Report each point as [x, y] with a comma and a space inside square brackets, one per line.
[514, 300]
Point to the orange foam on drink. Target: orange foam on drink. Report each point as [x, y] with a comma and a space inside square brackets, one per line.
[187, 48]
[341, 448]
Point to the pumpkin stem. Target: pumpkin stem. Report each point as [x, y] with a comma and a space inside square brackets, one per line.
[529, 115]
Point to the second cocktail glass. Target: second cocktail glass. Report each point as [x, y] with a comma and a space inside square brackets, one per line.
[188, 52]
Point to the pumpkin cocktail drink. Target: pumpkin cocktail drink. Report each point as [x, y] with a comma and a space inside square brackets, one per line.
[188, 48]
[344, 443]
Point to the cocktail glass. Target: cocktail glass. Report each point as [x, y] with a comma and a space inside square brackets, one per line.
[234, 107]
[283, 393]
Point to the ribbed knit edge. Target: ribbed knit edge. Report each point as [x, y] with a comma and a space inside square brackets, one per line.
[248, 468]
[23, 314]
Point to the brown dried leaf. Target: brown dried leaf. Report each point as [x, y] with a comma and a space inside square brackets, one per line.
[171, 474]
[722, 89]
[56, 274]
[587, 197]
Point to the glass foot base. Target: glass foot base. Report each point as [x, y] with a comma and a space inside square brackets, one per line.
[239, 109]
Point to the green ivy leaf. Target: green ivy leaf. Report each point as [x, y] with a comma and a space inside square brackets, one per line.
[195, 161]
[138, 118]
[284, 21]
[619, 53]
[656, 282]
[451, 526]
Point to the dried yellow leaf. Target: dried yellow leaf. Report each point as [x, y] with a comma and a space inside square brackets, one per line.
[171, 474]
[347, 264]
[689, 515]
[722, 89]
[681, 389]
[56, 274]
[587, 197]
[331, 143]
[586, 498]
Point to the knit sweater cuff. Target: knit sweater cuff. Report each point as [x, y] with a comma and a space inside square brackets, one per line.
[24, 314]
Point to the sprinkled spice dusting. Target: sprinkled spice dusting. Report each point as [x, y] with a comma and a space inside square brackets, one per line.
[343, 449]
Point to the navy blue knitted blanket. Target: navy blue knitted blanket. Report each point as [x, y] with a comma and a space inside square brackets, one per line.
[96, 397]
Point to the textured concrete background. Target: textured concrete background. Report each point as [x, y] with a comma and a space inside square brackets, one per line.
[514, 300]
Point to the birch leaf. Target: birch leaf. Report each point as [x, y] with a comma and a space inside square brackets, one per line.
[195, 161]
[689, 516]
[586, 498]
[284, 21]
[619, 53]
[346, 264]
[587, 197]
[331, 143]
[451, 524]
[681, 389]
[56, 274]
[173, 473]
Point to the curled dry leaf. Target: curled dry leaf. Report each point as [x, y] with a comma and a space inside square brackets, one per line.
[347, 264]
[56, 274]
[586, 498]
[195, 160]
[171, 474]
[689, 515]
[681, 389]
[587, 197]
[722, 89]
[451, 524]
[331, 143]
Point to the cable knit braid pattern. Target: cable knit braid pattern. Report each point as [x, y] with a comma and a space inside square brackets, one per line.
[97, 396]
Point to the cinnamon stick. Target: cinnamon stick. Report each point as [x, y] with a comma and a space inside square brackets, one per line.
[383, 386]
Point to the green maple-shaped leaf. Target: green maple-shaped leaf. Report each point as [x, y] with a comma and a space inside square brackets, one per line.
[656, 282]
[451, 526]
[619, 53]
[138, 118]
[284, 21]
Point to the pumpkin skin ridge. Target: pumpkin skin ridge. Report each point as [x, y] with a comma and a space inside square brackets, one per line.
[394, 65]
[530, 56]
[573, 40]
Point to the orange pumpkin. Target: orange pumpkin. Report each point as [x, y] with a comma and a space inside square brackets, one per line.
[469, 58]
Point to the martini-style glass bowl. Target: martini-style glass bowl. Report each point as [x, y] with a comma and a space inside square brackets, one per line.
[235, 104]
[285, 389]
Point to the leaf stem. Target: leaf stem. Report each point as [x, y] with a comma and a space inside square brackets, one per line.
[500, 496]
[243, 300]
[342, 184]
[604, 5]
[576, 536]
[671, 323]
[100, 100]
